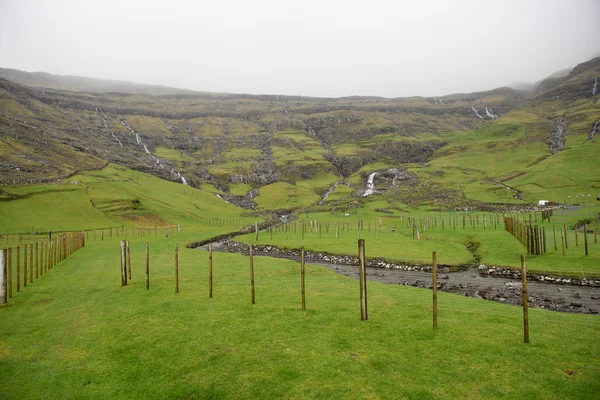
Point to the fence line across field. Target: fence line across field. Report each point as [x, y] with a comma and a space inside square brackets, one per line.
[48, 253]
[126, 265]
[116, 232]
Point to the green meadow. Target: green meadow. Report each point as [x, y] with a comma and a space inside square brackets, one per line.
[76, 333]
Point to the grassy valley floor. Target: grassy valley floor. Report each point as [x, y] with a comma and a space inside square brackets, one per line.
[76, 333]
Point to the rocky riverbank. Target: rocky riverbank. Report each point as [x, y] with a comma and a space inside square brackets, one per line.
[502, 285]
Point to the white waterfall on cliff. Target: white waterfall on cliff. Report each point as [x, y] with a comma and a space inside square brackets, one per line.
[476, 112]
[594, 130]
[370, 185]
[490, 113]
[331, 189]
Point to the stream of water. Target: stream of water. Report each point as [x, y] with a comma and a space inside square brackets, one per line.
[551, 296]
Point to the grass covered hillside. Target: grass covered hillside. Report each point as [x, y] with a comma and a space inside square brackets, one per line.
[236, 143]
[455, 149]
[111, 197]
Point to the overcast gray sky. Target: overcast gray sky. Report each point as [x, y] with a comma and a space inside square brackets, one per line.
[321, 48]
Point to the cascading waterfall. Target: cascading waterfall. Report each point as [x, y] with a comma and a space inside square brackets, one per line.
[394, 180]
[370, 185]
[219, 196]
[594, 89]
[594, 130]
[138, 140]
[183, 180]
[331, 189]
[489, 112]
[98, 109]
[476, 112]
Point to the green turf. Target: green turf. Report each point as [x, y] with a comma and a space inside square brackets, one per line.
[76, 333]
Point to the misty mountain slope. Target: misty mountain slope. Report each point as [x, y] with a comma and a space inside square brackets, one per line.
[545, 148]
[287, 151]
[83, 84]
[571, 83]
[31, 150]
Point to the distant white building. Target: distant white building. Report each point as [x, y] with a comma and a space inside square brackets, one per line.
[543, 202]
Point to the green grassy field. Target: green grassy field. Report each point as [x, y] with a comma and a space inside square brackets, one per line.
[76, 333]
[396, 242]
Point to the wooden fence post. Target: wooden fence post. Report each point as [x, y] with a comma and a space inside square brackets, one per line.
[3, 277]
[554, 233]
[585, 240]
[210, 271]
[18, 269]
[434, 287]
[525, 301]
[543, 240]
[49, 263]
[256, 229]
[25, 266]
[362, 279]
[37, 259]
[128, 258]
[302, 282]
[42, 258]
[123, 265]
[252, 275]
[176, 268]
[9, 269]
[147, 267]
[56, 255]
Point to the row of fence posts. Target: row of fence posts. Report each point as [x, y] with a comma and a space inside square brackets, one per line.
[96, 234]
[216, 221]
[47, 254]
[534, 237]
[126, 271]
[418, 227]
